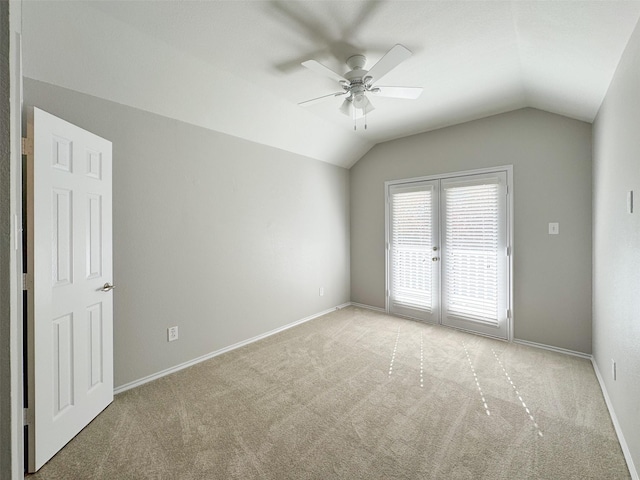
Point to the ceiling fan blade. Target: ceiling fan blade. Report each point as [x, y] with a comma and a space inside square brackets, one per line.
[389, 61]
[313, 101]
[322, 70]
[410, 93]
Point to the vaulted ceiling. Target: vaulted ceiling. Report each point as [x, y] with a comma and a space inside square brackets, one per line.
[234, 66]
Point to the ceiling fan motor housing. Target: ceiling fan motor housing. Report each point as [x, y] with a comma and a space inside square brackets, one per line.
[356, 86]
[355, 76]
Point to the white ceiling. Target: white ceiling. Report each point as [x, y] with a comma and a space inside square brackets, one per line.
[234, 66]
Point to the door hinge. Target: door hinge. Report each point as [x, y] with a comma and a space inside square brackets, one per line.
[388, 246]
[26, 147]
[388, 293]
[508, 313]
[26, 416]
[508, 251]
[27, 283]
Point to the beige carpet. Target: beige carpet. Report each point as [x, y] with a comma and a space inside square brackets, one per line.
[357, 395]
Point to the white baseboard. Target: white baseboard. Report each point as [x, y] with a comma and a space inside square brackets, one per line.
[553, 349]
[368, 307]
[623, 443]
[521, 342]
[168, 371]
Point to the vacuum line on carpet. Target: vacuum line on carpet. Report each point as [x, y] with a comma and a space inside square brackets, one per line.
[393, 355]
[475, 377]
[515, 389]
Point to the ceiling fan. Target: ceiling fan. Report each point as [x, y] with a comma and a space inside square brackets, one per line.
[358, 82]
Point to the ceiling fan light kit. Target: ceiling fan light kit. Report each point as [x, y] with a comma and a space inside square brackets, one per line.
[358, 82]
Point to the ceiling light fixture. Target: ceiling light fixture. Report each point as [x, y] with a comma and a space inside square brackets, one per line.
[358, 82]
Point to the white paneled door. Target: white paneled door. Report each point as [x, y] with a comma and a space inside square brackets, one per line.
[447, 255]
[70, 314]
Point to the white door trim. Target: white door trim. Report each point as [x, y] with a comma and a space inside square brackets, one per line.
[15, 285]
[508, 169]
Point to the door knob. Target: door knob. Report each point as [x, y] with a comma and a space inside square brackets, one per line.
[107, 287]
[435, 259]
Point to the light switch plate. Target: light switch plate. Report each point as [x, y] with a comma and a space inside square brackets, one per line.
[554, 228]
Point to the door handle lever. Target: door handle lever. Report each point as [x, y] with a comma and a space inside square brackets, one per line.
[107, 287]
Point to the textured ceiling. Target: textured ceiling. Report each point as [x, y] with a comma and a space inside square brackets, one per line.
[234, 66]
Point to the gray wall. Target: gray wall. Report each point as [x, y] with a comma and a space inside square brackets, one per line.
[616, 243]
[225, 238]
[551, 158]
[5, 246]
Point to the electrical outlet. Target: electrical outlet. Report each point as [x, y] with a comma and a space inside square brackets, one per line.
[172, 334]
[321, 292]
[554, 228]
[613, 368]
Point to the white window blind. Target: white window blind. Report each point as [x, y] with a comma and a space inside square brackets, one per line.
[472, 240]
[411, 234]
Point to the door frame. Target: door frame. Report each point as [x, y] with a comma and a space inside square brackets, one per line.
[508, 169]
[15, 424]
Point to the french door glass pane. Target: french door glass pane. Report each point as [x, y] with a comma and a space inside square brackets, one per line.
[411, 233]
[471, 257]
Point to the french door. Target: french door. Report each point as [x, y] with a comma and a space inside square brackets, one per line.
[447, 255]
[413, 254]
